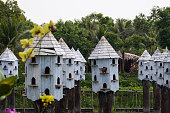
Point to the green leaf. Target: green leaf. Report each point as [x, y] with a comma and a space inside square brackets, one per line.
[9, 81]
[5, 89]
[1, 76]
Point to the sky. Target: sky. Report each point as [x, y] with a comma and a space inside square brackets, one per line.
[42, 11]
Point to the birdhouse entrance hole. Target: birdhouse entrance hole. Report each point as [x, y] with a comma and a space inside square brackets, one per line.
[94, 62]
[146, 76]
[166, 69]
[151, 67]
[95, 78]
[33, 60]
[114, 77]
[113, 61]
[166, 81]
[141, 63]
[70, 75]
[160, 75]
[104, 85]
[77, 72]
[69, 61]
[47, 92]
[160, 64]
[58, 59]
[33, 81]
[141, 72]
[58, 80]
[146, 67]
[47, 70]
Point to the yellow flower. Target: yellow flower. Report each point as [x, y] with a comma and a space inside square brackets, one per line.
[46, 29]
[26, 43]
[47, 98]
[37, 30]
[27, 54]
[51, 26]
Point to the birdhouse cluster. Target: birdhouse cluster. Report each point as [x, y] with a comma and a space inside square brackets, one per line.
[8, 63]
[52, 68]
[155, 67]
[104, 65]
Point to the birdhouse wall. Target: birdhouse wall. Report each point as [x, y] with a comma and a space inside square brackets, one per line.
[46, 73]
[166, 74]
[77, 70]
[141, 70]
[114, 72]
[9, 68]
[68, 73]
[103, 79]
[153, 71]
[160, 73]
[82, 69]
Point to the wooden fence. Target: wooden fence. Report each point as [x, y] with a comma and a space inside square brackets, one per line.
[126, 100]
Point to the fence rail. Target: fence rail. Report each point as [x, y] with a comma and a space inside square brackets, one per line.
[127, 100]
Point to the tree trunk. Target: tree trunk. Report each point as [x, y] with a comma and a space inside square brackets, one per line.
[156, 98]
[3, 106]
[105, 102]
[123, 61]
[146, 96]
[78, 97]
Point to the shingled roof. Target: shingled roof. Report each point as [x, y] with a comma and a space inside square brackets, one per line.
[68, 52]
[103, 50]
[8, 55]
[82, 58]
[156, 54]
[47, 46]
[145, 56]
[77, 56]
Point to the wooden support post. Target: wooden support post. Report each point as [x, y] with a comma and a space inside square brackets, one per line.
[3, 106]
[165, 100]
[39, 108]
[146, 96]
[60, 106]
[156, 98]
[105, 102]
[78, 96]
[71, 100]
[11, 99]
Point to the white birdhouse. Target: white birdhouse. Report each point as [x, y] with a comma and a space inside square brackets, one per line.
[153, 65]
[8, 63]
[77, 65]
[68, 68]
[166, 63]
[160, 67]
[44, 71]
[104, 65]
[144, 66]
[82, 65]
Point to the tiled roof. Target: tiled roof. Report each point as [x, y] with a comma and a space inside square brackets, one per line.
[47, 46]
[145, 56]
[77, 56]
[103, 50]
[82, 58]
[8, 55]
[68, 52]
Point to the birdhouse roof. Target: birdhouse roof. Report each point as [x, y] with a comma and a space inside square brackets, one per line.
[77, 56]
[145, 56]
[68, 52]
[8, 55]
[156, 55]
[82, 58]
[47, 46]
[103, 50]
[166, 55]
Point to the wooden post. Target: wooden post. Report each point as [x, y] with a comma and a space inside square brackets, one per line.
[156, 98]
[146, 96]
[105, 102]
[3, 106]
[60, 106]
[71, 100]
[11, 99]
[165, 100]
[78, 96]
[39, 108]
